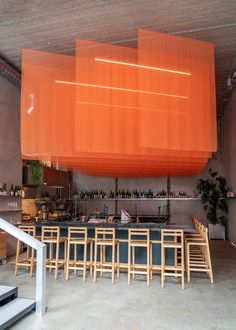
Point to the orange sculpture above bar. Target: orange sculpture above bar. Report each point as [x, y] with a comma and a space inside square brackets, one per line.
[117, 111]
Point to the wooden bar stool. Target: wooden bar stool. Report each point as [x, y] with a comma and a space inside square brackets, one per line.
[139, 238]
[51, 235]
[78, 236]
[106, 237]
[172, 239]
[29, 261]
[198, 257]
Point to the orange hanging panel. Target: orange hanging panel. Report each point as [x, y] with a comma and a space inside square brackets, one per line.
[116, 111]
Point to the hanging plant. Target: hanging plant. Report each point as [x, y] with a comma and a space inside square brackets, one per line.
[36, 171]
[213, 193]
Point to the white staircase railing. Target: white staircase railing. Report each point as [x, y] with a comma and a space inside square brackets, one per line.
[41, 262]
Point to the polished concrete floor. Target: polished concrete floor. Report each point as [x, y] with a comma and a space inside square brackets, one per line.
[78, 305]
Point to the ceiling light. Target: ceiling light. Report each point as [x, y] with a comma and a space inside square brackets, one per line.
[120, 89]
[143, 66]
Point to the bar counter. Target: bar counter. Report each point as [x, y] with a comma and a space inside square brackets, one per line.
[117, 225]
[122, 236]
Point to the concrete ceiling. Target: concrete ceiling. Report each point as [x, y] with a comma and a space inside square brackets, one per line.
[53, 26]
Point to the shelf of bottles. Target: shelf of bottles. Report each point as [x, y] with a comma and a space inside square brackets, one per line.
[132, 195]
[9, 200]
[14, 191]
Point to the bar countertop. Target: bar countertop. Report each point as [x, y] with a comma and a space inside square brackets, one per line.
[117, 225]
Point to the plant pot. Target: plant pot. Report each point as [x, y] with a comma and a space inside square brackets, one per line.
[216, 231]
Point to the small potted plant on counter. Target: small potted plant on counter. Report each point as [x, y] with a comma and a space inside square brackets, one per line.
[213, 193]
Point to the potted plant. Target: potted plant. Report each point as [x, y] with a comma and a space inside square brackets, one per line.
[36, 171]
[213, 192]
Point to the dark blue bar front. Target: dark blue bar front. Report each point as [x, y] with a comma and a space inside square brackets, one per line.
[121, 234]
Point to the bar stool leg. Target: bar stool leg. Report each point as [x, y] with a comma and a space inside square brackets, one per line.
[186, 258]
[182, 265]
[104, 254]
[65, 255]
[133, 259]
[176, 259]
[118, 259]
[151, 272]
[17, 256]
[75, 257]
[188, 267]
[85, 261]
[91, 258]
[162, 266]
[68, 261]
[27, 252]
[129, 263]
[101, 259]
[95, 262]
[32, 262]
[50, 255]
[148, 265]
[56, 262]
[209, 264]
[113, 263]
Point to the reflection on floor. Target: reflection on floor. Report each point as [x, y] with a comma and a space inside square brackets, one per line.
[78, 305]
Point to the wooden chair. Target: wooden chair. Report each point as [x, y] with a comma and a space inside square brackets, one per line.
[140, 238]
[105, 237]
[78, 236]
[29, 260]
[51, 237]
[172, 239]
[198, 257]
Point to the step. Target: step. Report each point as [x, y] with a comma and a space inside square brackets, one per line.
[7, 293]
[14, 310]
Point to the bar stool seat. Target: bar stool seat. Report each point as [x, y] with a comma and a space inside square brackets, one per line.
[138, 243]
[74, 240]
[29, 261]
[198, 258]
[106, 237]
[80, 241]
[172, 245]
[134, 242]
[51, 236]
[106, 242]
[55, 240]
[172, 239]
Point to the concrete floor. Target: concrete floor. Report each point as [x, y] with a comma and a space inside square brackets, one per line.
[78, 305]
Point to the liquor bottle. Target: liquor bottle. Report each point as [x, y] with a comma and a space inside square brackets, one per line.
[15, 191]
[12, 191]
[4, 189]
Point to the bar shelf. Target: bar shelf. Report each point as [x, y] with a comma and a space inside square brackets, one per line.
[140, 199]
[5, 211]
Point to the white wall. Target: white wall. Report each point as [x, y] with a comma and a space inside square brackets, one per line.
[10, 154]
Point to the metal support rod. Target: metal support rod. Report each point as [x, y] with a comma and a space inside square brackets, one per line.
[41, 281]
[41, 262]
[116, 191]
[168, 183]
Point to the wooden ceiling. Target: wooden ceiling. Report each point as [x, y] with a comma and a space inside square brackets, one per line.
[53, 26]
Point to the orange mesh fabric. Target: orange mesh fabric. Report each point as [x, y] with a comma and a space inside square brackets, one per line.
[115, 111]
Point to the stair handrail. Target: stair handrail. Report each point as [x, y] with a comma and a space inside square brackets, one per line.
[41, 262]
